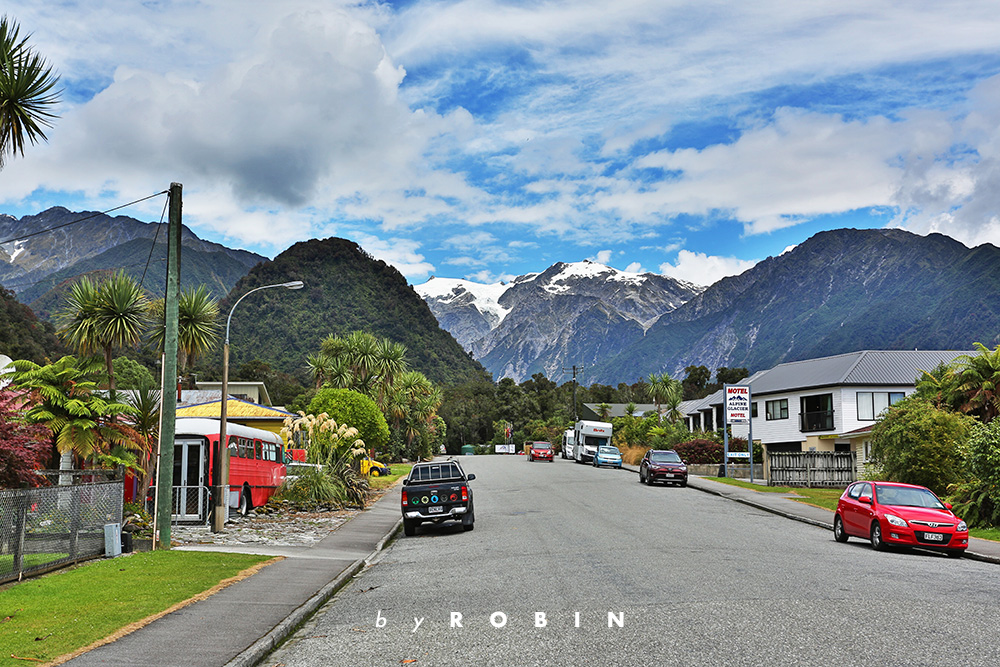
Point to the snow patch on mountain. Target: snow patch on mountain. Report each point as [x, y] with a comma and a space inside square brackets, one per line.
[486, 297]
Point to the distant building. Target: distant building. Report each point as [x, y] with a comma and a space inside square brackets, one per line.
[240, 412]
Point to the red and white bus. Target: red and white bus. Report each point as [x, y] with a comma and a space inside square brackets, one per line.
[256, 466]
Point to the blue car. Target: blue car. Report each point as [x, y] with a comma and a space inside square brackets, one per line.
[608, 456]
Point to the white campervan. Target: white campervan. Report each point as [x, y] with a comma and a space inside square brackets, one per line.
[587, 437]
[567, 444]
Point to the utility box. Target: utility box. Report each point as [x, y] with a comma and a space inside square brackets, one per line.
[112, 540]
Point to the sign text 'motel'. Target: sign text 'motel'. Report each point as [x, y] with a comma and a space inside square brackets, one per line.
[737, 404]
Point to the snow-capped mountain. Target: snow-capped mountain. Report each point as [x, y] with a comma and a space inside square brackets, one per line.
[570, 314]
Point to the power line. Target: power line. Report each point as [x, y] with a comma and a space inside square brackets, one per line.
[89, 217]
[166, 202]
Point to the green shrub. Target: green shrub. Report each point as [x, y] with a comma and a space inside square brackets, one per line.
[918, 443]
[977, 499]
[349, 407]
[311, 488]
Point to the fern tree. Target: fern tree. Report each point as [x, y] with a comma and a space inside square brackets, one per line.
[65, 399]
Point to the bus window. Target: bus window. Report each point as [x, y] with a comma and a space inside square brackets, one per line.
[258, 450]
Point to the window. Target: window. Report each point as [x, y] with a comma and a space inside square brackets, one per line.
[871, 404]
[777, 409]
[753, 410]
[816, 413]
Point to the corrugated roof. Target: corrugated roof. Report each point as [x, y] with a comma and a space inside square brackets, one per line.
[235, 409]
[866, 367]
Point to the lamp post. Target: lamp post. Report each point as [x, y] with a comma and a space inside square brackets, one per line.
[220, 471]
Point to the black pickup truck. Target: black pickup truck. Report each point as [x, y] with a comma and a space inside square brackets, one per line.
[435, 492]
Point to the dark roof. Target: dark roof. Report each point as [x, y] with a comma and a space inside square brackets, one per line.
[867, 367]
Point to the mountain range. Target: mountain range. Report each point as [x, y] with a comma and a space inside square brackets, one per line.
[39, 253]
[570, 314]
[839, 291]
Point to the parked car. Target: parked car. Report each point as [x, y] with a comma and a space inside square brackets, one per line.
[434, 492]
[663, 465]
[540, 451]
[890, 514]
[607, 455]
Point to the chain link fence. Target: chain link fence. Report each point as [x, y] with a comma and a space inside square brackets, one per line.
[52, 526]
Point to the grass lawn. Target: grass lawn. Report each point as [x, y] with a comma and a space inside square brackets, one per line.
[986, 533]
[398, 470]
[42, 619]
[825, 498]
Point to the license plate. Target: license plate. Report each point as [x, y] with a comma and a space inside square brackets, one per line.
[668, 474]
[437, 509]
[934, 537]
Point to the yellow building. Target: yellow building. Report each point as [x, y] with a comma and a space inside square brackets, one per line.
[240, 412]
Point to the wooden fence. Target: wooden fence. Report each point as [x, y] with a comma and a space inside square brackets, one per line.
[823, 469]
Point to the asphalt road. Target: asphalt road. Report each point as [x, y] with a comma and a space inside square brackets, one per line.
[694, 579]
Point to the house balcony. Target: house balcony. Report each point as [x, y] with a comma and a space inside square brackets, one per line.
[810, 422]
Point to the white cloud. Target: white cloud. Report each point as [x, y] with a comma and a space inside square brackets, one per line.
[635, 267]
[702, 269]
[400, 253]
[603, 257]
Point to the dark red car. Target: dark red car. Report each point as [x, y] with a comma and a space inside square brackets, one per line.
[540, 451]
[890, 514]
[663, 465]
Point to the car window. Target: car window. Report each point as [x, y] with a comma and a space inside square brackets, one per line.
[665, 457]
[902, 496]
[866, 490]
[855, 491]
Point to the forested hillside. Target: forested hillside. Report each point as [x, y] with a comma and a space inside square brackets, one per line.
[22, 335]
[345, 290]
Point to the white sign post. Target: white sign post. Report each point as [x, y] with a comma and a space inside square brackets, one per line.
[737, 408]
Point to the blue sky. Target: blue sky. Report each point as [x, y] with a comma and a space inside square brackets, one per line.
[483, 140]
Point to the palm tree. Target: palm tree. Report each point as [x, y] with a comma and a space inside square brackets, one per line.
[319, 366]
[603, 411]
[673, 400]
[979, 382]
[81, 420]
[660, 388]
[104, 318]
[27, 92]
[198, 325]
[145, 418]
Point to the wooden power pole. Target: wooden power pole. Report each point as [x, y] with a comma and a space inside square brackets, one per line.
[168, 391]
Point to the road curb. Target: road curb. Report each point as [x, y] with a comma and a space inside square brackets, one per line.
[257, 651]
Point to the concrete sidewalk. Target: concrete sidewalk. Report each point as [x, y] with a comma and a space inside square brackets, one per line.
[240, 624]
[782, 504]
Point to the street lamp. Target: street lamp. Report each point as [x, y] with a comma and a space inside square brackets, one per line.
[220, 471]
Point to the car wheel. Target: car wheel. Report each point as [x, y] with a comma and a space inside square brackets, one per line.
[642, 478]
[409, 527]
[878, 544]
[683, 484]
[838, 529]
[649, 479]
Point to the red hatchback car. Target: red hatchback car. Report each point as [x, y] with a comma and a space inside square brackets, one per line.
[890, 513]
[540, 451]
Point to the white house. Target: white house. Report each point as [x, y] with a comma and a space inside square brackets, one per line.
[831, 403]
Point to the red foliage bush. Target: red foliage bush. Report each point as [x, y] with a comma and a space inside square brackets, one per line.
[699, 451]
[23, 447]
